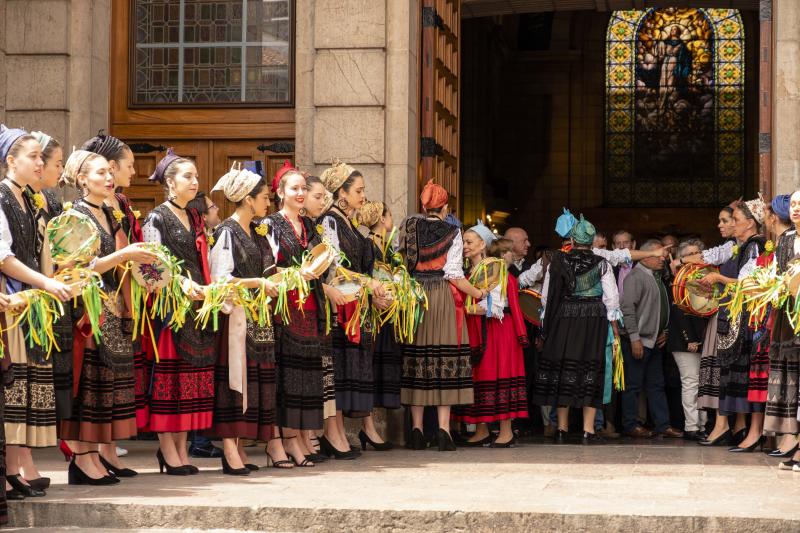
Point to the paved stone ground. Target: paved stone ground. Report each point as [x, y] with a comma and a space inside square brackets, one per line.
[633, 487]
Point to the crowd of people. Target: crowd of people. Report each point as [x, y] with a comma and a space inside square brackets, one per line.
[289, 383]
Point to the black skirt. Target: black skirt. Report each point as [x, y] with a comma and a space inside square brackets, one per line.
[387, 367]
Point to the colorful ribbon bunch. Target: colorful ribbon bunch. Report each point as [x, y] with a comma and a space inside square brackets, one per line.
[486, 276]
[39, 310]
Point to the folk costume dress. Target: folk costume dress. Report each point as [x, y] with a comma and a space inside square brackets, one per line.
[6, 376]
[300, 344]
[580, 299]
[103, 406]
[352, 353]
[436, 366]
[387, 360]
[784, 355]
[182, 389]
[499, 336]
[30, 412]
[708, 394]
[245, 369]
[735, 340]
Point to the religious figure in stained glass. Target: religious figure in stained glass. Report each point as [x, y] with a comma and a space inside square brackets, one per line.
[674, 107]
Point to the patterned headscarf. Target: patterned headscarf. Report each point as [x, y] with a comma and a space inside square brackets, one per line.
[756, 208]
[74, 166]
[334, 176]
[370, 213]
[237, 183]
[8, 136]
[42, 138]
[106, 145]
[583, 232]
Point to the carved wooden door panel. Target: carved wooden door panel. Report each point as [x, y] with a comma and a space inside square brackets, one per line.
[439, 108]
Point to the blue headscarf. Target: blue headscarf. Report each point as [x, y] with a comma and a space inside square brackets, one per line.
[565, 223]
[780, 206]
[8, 136]
[583, 233]
[484, 233]
[453, 220]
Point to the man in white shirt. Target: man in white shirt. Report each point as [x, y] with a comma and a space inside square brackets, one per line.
[623, 240]
[519, 249]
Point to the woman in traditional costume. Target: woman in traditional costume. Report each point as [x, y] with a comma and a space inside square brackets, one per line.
[781, 416]
[244, 401]
[497, 334]
[301, 342]
[353, 340]
[103, 407]
[436, 365]
[734, 338]
[182, 397]
[580, 299]
[387, 361]
[30, 411]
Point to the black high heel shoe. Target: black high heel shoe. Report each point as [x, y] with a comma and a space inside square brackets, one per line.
[40, 483]
[560, 437]
[281, 463]
[326, 448]
[117, 472]
[16, 495]
[748, 449]
[773, 453]
[739, 436]
[417, 441]
[171, 470]
[590, 439]
[379, 446]
[722, 440]
[26, 490]
[76, 476]
[226, 469]
[446, 443]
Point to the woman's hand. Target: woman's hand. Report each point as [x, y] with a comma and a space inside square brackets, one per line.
[58, 289]
[381, 302]
[5, 300]
[710, 279]
[269, 287]
[377, 288]
[693, 347]
[335, 295]
[137, 253]
[307, 275]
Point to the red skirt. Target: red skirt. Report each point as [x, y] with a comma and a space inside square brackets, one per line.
[182, 395]
[499, 378]
[143, 359]
[759, 366]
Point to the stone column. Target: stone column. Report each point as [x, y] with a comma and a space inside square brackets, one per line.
[54, 66]
[356, 91]
[786, 90]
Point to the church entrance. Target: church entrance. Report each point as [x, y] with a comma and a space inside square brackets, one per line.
[644, 119]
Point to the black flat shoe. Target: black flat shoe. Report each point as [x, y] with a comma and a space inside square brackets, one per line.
[379, 446]
[251, 467]
[446, 443]
[228, 470]
[14, 495]
[171, 470]
[486, 441]
[316, 457]
[695, 436]
[41, 483]
[787, 465]
[330, 450]
[118, 472]
[560, 437]
[592, 439]
[773, 453]
[417, 441]
[508, 444]
[722, 440]
[26, 490]
[207, 451]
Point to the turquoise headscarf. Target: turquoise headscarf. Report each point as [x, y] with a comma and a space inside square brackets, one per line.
[583, 233]
[565, 223]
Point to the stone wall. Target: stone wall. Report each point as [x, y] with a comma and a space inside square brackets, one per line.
[356, 96]
[54, 66]
[786, 95]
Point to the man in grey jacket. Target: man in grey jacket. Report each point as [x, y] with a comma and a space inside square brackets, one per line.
[645, 306]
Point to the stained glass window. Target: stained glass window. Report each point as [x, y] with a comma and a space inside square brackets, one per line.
[190, 52]
[674, 107]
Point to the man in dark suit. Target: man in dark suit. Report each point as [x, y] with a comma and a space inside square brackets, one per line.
[519, 248]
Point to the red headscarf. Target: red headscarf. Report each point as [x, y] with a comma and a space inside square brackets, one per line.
[287, 167]
[434, 196]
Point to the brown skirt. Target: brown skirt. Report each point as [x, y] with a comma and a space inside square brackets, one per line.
[436, 367]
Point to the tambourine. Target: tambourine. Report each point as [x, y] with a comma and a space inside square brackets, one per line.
[157, 274]
[319, 259]
[488, 274]
[73, 237]
[349, 283]
[791, 278]
[530, 303]
[690, 295]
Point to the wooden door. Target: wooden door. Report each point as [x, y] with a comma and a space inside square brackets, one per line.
[439, 126]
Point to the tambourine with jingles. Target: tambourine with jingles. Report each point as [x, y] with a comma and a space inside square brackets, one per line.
[530, 303]
[690, 295]
[73, 238]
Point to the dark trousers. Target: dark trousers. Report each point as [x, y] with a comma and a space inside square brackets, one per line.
[645, 374]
